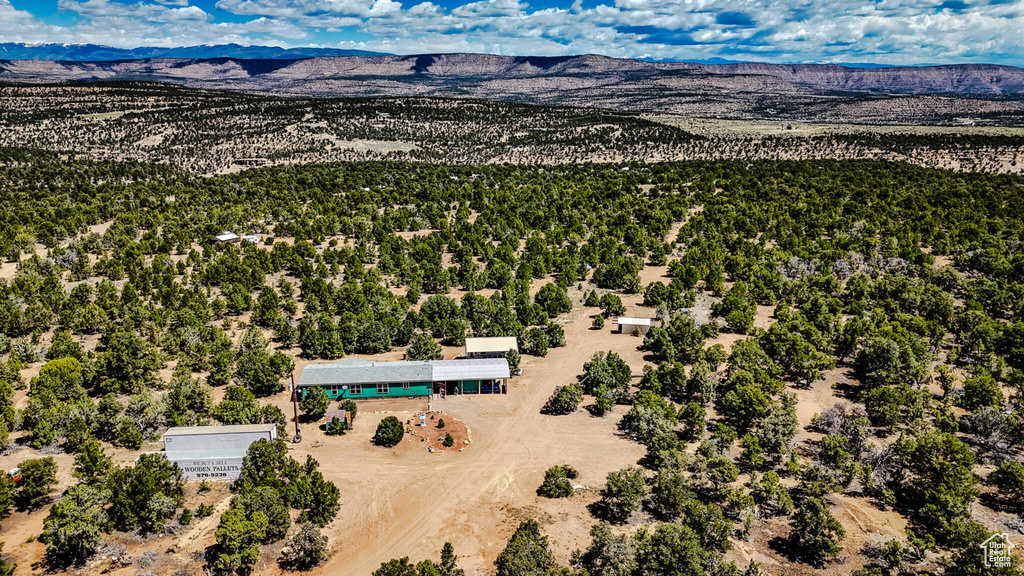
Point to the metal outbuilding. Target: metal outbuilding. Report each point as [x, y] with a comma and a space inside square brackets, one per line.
[226, 237]
[238, 437]
[627, 324]
[491, 346]
[213, 452]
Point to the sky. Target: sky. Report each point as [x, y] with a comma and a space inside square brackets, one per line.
[843, 31]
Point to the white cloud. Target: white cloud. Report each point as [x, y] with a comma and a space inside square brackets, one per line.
[9, 14]
[885, 31]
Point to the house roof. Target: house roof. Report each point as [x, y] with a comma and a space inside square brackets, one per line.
[225, 236]
[470, 369]
[629, 321]
[492, 344]
[356, 371]
[206, 430]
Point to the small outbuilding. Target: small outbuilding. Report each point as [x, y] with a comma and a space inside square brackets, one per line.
[213, 452]
[342, 415]
[491, 346]
[627, 325]
[229, 237]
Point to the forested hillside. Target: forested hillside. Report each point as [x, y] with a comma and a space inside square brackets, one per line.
[117, 310]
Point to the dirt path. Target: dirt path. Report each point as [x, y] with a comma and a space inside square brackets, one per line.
[195, 539]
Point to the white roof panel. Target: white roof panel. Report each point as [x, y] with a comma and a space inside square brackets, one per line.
[628, 321]
[470, 369]
[491, 344]
[233, 429]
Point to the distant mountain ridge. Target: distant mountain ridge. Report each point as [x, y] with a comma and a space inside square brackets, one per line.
[95, 52]
[953, 93]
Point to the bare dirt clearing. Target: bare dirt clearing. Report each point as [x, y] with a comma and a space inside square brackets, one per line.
[407, 501]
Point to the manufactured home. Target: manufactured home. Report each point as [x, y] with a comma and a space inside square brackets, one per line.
[358, 379]
[361, 379]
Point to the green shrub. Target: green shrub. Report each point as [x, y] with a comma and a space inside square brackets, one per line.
[623, 493]
[336, 427]
[349, 406]
[566, 400]
[557, 482]
[307, 549]
[314, 402]
[38, 479]
[389, 432]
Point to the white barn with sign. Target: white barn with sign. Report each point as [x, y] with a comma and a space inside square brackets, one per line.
[213, 452]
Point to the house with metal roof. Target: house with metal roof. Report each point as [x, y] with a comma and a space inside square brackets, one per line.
[491, 346]
[356, 379]
[360, 379]
[627, 324]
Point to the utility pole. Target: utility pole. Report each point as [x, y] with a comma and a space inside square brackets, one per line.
[295, 407]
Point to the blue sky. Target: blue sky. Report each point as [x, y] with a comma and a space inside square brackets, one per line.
[876, 31]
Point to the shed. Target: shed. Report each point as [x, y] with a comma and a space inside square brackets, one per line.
[226, 237]
[213, 452]
[237, 437]
[491, 346]
[342, 415]
[628, 324]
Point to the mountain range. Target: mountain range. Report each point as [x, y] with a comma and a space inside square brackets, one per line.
[728, 90]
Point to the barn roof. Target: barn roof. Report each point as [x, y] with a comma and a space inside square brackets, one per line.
[470, 369]
[491, 344]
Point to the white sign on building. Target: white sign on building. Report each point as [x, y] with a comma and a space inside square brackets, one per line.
[213, 452]
[206, 469]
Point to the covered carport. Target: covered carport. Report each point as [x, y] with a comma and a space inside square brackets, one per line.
[470, 376]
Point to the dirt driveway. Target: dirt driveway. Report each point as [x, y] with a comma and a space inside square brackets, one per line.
[408, 502]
